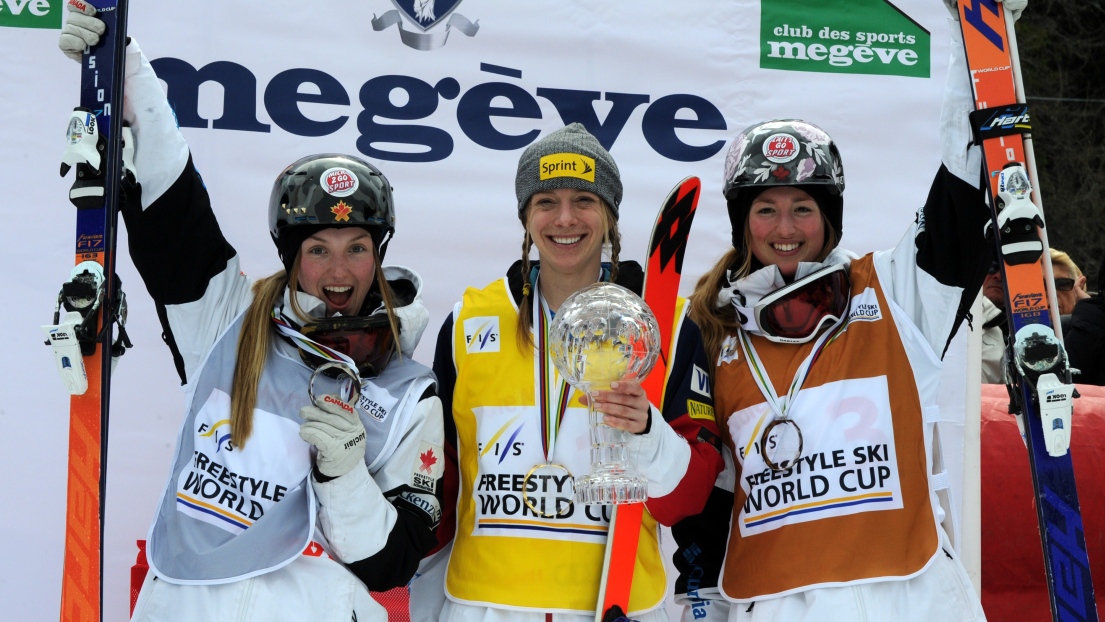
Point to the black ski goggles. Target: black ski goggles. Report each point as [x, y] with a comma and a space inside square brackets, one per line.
[369, 341]
[795, 313]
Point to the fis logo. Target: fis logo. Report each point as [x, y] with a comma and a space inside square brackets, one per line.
[481, 334]
[220, 433]
[511, 447]
[567, 165]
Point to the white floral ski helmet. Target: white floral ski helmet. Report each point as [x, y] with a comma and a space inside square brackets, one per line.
[783, 152]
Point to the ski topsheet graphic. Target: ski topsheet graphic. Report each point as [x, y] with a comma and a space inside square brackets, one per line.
[663, 270]
[1039, 376]
[89, 304]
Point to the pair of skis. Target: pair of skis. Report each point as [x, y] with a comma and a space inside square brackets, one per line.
[663, 270]
[89, 304]
[1039, 377]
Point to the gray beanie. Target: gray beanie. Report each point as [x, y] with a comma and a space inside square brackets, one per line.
[568, 158]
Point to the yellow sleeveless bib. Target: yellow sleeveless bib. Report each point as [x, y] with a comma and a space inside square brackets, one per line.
[505, 555]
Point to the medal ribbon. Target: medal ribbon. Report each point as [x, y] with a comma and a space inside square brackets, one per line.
[285, 328]
[553, 391]
[763, 381]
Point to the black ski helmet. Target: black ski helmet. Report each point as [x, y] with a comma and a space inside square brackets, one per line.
[783, 152]
[329, 190]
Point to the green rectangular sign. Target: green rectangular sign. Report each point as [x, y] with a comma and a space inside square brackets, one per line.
[31, 13]
[854, 36]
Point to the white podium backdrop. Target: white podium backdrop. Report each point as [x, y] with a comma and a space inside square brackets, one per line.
[688, 74]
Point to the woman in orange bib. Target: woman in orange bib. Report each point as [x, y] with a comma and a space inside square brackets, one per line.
[826, 371]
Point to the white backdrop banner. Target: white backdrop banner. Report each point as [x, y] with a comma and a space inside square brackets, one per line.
[442, 95]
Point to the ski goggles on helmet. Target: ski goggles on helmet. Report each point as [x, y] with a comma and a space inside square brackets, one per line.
[368, 340]
[796, 312]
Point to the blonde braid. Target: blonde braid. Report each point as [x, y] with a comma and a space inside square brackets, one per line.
[615, 238]
[525, 306]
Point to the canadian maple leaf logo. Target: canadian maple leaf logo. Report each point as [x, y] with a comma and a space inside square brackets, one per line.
[780, 173]
[341, 211]
[428, 460]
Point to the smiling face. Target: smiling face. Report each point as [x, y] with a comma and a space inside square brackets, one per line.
[786, 227]
[567, 228]
[337, 266]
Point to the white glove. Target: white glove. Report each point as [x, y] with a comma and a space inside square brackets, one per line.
[1016, 7]
[81, 31]
[337, 432]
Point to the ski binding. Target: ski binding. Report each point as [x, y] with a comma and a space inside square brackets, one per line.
[1042, 361]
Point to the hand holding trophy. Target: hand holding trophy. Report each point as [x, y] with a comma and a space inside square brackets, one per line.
[605, 333]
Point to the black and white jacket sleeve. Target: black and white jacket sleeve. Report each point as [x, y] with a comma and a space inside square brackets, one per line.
[936, 271]
[377, 523]
[188, 267]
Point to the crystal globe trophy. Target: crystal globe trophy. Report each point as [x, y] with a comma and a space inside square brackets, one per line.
[602, 334]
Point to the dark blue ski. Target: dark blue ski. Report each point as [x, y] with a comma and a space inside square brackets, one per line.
[1040, 386]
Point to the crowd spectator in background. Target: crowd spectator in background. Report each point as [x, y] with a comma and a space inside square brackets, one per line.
[1070, 284]
[1070, 288]
[1085, 337]
[994, 325]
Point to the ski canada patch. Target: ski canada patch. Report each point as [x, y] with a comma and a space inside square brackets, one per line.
[339, 181]
[865, 307]
[481, 334]
[428, 467]
[341, 212]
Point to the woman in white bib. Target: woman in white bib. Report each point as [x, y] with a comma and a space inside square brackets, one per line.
[826, 370]
[308, 471]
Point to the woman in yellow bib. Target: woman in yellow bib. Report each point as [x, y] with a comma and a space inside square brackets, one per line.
[826, 371]
[523, 549]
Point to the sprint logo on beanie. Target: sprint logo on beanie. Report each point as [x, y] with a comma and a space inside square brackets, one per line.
[567, 165]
